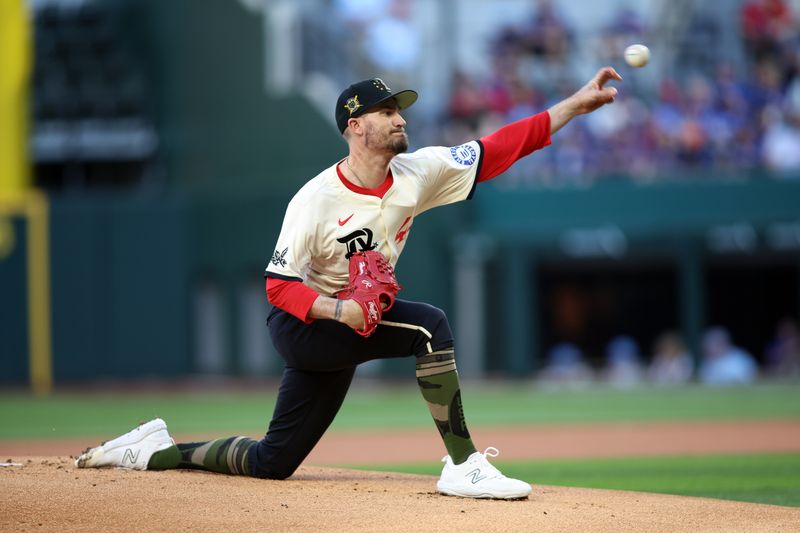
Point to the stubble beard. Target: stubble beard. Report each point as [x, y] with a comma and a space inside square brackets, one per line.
[400, 145]
[386, 142]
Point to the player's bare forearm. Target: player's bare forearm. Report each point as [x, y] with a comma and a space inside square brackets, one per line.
[349, 313]
[591, 96]
[561, 113]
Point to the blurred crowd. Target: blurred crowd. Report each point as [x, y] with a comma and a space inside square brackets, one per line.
[710, 114]
[670, 362]
[716, 100]
[383, 39]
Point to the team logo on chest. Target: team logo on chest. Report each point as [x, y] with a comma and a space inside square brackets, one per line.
[401, 233]
[358, 241]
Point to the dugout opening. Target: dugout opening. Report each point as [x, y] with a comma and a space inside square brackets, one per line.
[588, 303]
[750, 295]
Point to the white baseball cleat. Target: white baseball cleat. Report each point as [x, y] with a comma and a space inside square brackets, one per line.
[132, 450]
[477, 478]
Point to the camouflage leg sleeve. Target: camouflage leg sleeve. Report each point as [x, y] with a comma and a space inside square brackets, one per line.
[226, 456]
[438, 381]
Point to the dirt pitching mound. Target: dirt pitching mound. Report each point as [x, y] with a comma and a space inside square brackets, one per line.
[50, 494]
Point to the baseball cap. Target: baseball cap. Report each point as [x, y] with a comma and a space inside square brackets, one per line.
[359, 97]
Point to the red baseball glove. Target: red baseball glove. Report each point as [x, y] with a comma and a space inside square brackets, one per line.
[372, 283]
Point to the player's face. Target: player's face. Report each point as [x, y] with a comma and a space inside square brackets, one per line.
[385, 129]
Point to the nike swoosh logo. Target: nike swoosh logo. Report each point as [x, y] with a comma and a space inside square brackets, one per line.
[343, 222]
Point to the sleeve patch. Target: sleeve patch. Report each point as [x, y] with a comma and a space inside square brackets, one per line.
[279, 258]
[464, 154]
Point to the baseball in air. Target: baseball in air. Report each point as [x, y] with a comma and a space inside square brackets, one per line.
[637, 55]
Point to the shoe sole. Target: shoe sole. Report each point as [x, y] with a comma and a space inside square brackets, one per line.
[446, 491]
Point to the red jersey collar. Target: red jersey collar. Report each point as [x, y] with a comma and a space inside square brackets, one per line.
[378, 191]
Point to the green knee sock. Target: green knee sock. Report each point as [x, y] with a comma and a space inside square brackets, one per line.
[226, 456]
[438, 381]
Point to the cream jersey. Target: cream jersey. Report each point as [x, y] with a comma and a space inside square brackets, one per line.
[326, 222]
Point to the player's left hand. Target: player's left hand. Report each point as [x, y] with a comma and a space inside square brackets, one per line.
[594, 94]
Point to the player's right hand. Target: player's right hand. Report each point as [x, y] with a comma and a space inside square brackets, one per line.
[353, 315]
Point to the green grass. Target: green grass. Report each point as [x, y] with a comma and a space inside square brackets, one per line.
[503, 405]
[772, 478]
[756, 478]
[98, 414]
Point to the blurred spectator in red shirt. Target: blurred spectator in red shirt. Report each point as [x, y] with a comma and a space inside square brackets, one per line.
[765, 26]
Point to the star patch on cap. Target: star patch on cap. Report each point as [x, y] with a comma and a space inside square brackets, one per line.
[352, 104]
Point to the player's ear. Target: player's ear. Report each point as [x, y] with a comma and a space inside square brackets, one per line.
[354, 125]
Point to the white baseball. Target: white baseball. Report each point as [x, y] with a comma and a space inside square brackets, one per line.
[637, 55]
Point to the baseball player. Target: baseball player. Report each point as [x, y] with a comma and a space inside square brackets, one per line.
[367, 201]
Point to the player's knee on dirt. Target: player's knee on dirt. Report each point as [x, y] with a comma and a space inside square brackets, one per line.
[280, 474]
[269, 468]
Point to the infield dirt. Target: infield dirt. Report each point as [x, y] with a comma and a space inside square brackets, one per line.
[50, 494]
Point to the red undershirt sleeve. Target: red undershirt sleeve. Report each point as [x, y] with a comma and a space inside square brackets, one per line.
[291, 296]
[512, 142]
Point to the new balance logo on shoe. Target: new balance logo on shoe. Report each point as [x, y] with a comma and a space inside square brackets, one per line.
[132, 458]
[476, 475]
[477, 478]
